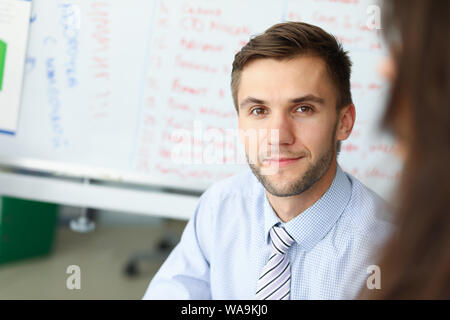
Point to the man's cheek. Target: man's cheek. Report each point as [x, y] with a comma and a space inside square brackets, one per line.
[315, 143]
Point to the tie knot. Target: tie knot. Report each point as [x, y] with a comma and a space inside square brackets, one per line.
[281, 240]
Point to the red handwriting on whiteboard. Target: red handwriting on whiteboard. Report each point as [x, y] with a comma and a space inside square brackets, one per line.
[99, 15]
[294, 16]
[349, 40]
[182, 88]
[384, 148]
[172, 123]
[220, 114]
[163, 15]
[356, 133]
[229, 28]
[163, 152]
[356, 85]
[99, 104]
[178, 106]
[149, 120]
[150, 103]
[192, 24]
[380, 174]
[375, 46]
[324, 18]
[165, 170]
[200, 46]
[197, 10]
[184, 173]
[184, 64]
[374, 86]
[349, 147]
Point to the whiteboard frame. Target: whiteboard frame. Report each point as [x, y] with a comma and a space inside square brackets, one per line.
[112, 198]
[96, 173]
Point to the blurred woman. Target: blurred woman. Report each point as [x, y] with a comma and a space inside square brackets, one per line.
[415, 262]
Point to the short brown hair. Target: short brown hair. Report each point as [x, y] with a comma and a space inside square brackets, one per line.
[290, 39]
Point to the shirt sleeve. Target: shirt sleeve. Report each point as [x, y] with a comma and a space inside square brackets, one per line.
[186, 274]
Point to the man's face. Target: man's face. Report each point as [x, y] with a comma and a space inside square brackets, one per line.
[295, 97]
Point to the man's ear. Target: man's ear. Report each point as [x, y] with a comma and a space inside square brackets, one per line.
[346, 120]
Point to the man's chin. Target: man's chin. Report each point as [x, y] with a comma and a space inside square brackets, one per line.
[281, 184]
[285, 182]
[281, 190]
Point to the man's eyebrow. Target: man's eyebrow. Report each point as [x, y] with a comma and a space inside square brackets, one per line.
[250, 100]
[308, 98]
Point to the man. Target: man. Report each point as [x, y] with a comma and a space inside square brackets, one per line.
[295, 226]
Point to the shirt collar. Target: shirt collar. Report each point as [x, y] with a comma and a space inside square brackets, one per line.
[313, 224]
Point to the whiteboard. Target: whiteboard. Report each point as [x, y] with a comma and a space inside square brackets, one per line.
[107, 83]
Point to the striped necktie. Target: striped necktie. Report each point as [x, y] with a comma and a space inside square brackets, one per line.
[275, 280]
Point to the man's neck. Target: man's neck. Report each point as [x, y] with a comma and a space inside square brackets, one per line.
[287, 208]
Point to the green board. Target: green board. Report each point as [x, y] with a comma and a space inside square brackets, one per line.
[2, 61]
[27, 228]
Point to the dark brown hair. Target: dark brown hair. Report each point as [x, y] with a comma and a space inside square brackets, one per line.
[289, 40]
[415, 262]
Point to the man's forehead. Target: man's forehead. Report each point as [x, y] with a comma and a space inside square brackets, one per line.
[304, 61]
[293, 77]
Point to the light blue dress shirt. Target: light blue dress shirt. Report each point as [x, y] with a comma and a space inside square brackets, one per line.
[226, 243]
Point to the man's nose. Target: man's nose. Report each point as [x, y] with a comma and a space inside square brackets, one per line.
[284, 126]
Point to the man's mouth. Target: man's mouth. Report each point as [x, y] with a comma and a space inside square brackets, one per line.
[280, 162]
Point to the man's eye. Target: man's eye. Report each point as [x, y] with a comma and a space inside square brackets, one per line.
[258, 111]
[305, 109]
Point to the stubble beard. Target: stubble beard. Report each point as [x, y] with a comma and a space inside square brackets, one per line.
[314, 173]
